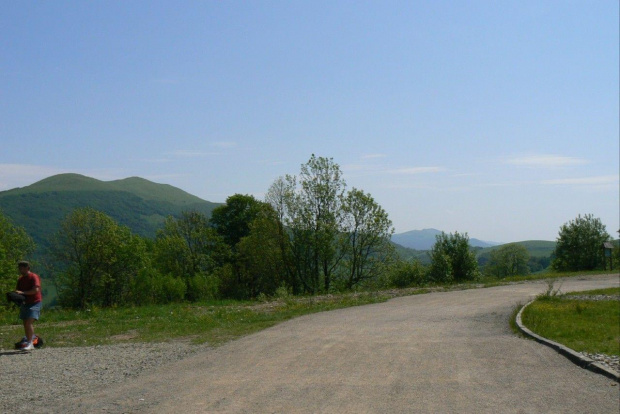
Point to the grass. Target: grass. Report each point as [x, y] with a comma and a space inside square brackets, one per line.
[583, 325]
[214, 322]
[610, 292]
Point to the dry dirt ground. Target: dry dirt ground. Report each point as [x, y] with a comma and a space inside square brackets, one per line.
[449, 352]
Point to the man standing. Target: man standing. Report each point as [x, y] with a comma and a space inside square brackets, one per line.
[29, 285]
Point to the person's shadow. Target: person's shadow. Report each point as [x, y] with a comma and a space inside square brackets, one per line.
[15, 352]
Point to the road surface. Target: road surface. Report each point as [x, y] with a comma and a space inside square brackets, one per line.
[447, 352]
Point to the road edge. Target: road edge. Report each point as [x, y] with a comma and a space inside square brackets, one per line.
[572, 355]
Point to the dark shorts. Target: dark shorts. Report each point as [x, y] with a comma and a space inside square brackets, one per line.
[30, 311]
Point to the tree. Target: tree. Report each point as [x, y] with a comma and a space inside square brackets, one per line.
[580, 244]
[367, 231]
[508, 260]
[320, 201]
[232, 221]
[328, 238]
[98, 259]
[260, 263]
[188, 248]
[311, 211]
[279, 196]
[452, 259]
[15, 245]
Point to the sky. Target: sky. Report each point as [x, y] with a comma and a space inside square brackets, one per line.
[495, 118]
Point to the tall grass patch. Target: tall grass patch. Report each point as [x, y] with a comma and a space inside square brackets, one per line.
[584, 325]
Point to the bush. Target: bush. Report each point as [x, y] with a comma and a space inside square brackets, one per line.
[452, 259]
[441, 268]
[203, 287]
[151, 287]
[172, 289]
[407, 273]
[580, 245]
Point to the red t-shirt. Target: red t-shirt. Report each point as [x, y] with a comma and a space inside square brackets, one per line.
[26, 283]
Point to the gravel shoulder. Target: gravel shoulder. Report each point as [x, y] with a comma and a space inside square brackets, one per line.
[61, 374]
[438, 352]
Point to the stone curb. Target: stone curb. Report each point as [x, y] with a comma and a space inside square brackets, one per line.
[574, 356]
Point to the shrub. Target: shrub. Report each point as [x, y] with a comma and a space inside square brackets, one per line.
[407, 273]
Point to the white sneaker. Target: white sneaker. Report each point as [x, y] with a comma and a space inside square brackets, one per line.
[28, 347]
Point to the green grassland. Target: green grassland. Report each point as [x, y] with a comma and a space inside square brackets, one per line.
[583, 325]
[212, 322]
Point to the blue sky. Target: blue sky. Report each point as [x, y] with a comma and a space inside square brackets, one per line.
[496, 118]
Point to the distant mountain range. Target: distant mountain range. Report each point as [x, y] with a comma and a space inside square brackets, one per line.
[425, 239]
[137, 203]
[539, 250]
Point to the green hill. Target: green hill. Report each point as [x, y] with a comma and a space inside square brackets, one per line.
[137, 203]
[406, 253]
[425, 239]
[536, 248]
[540, 253]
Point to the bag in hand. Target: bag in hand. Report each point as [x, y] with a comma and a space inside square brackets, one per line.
[15, 298]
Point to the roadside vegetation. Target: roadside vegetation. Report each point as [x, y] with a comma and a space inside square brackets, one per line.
[575, 320]
[310, 238]
[213, 322]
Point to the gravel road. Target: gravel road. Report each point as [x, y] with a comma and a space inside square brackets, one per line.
[449, 352]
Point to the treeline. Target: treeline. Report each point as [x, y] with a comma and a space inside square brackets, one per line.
[310, 236]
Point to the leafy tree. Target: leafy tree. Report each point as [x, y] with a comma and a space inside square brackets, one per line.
[440, 270]
[311, 211]
[232, 221]
[452, 259]
[188, 248]
[279, 196]
[508, 260]
[15, 245]
[241, 218]
[261, 265]
[327, 238]
[580, 244]
[98, 259]
[320, 201]
[367, 243]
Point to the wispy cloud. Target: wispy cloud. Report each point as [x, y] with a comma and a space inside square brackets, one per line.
[585, 181]
[416, 170]
[546, 161]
